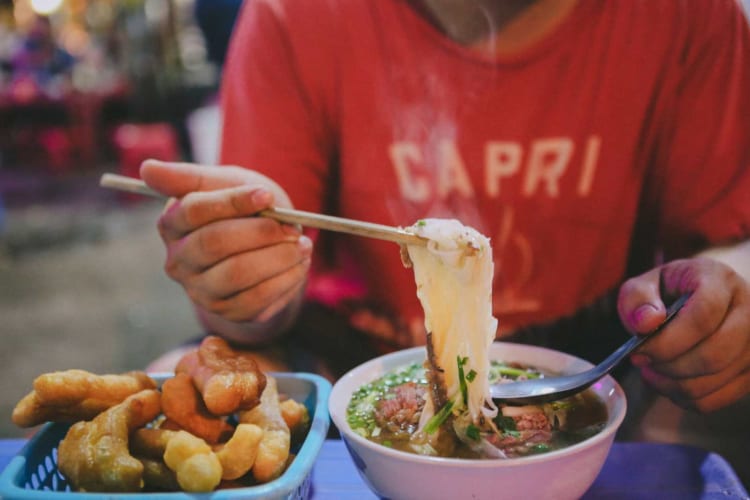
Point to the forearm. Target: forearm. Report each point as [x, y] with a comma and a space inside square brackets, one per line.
[252, 333]
[736, 256]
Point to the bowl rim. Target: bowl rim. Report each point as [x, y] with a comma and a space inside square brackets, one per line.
[613, 423]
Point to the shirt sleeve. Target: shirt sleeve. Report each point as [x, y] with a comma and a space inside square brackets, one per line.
[702, 180]
[274, 115]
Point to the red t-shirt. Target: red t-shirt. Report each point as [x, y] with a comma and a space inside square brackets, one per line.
[630, 118]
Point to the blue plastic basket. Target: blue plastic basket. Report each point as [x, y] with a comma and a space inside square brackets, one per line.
[33, 473]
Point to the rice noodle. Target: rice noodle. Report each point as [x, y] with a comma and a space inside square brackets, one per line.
[454, 274]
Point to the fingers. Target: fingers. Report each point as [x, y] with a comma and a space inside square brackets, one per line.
[701, 360]
[238, 267]
[197, 209]
[712, 287]
[262, 300]
[233, 275]
[731, 392]
[711, 355]
[707, 393]
[285, 298]
[220, 240]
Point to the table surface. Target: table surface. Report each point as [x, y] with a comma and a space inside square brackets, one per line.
[632, 471]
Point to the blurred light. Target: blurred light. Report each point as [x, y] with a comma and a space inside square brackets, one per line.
[22, 13]
[100, 14]
[45, 7]
[75, 40]
[156, 11]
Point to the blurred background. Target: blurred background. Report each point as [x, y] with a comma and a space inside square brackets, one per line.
[87, 87]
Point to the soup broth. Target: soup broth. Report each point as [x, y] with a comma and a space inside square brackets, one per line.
[389, 410]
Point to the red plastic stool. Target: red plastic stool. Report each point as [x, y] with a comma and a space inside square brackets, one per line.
[135, 143]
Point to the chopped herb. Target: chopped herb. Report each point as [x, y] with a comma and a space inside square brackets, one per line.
[505, 423]
[539, 448]
[388, 443]
[360, 412]
[439, 418]
[472, 431]
[503, 370]
[421, 223]
[564, 404]
[462, 379]
[471, 376]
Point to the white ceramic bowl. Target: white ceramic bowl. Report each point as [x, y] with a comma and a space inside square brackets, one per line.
[561, 474]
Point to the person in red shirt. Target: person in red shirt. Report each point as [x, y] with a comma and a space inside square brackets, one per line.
[602, 146]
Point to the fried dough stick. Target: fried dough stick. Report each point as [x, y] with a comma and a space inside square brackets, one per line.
[148, 446]
[157, 476]
[182, 404]
[150, 443]
[73, 395]
[94, 455]
[237, 456]
[296, 417]
[273, 450]
[228, 380]
[196, 465]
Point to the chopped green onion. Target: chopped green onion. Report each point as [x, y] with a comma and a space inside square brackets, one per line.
[505, 423]
[539, 448]
[471, 376]
[564, 404]
[439, 418]
[421, 223]
[515, 372]
[472, 431]
[462, 379]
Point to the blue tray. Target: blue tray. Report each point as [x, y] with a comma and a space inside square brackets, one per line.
[33, 473]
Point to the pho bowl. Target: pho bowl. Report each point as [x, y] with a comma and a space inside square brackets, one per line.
[563, 473]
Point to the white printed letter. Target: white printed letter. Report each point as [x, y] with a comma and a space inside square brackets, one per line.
[452, 172]
[547, 162]
[501, 159]
[590, 162]
[404, 155]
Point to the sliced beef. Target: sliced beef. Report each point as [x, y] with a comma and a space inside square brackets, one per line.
[401, 408]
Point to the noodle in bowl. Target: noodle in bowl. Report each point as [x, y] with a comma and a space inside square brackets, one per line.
[563, 473]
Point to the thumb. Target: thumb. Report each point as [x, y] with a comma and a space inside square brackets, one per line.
[639, 303]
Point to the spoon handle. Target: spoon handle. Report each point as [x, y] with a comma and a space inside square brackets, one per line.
[605, 366]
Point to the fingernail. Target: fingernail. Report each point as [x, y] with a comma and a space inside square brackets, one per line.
[291, 230]
[261, 197]
[643, 312]
[640, 360]
[305, 244]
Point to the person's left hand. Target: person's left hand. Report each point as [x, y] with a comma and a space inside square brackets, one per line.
[701, 360]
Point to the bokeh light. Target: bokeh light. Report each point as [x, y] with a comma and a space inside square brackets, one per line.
[45, 7]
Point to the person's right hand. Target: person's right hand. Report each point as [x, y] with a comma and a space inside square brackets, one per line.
[232, 265]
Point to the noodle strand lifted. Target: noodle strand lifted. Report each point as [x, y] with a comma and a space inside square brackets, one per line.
[454, 274]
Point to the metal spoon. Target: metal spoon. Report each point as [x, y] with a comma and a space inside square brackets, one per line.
[541, 390]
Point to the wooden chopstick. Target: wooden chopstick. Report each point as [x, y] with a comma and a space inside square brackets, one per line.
[289, 216]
